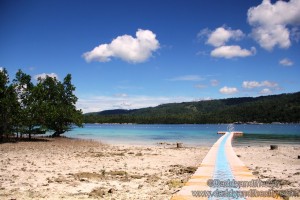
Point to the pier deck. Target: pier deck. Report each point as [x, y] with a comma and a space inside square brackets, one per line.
[206, 172]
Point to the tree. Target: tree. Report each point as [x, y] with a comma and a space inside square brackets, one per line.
[29, 119]
[57, 104]
[8, 105]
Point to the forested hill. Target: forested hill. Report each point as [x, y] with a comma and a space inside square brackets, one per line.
[265, 109]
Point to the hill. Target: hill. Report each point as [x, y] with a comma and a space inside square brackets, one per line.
[264, 109]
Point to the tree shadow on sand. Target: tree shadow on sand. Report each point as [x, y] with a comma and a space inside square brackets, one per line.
[25, 139]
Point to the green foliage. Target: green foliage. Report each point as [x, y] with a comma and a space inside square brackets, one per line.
[34, 109]
[266, 109]
[8, 105]
[57, 103]
[28, 118]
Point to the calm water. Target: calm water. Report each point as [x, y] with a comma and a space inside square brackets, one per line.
[194, 135]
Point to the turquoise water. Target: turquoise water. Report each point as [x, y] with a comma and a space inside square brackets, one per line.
[194, 135]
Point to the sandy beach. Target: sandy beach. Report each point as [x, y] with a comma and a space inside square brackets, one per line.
[79, 169]
[280, 166]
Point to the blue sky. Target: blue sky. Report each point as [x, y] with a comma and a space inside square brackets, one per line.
[132, 54]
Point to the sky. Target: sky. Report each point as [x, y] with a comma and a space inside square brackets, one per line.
[133, 54]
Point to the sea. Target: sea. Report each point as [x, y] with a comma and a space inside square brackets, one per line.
[189, 135]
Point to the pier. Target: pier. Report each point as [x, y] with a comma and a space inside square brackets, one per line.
[220, 164]
[235, 133]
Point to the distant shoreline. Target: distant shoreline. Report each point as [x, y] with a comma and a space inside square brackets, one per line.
[235, 123]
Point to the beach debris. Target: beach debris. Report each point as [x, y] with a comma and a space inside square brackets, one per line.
[111, 190]
[179, 144]
[273, 147]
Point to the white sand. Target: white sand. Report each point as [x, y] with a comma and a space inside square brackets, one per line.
[280, 166]
[77, 169]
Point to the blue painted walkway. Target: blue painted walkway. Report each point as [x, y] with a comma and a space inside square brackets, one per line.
[220, 164]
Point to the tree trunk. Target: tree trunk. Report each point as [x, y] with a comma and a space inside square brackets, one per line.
[57, 133]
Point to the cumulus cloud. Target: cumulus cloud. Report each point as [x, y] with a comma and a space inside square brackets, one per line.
[219, 37]
[271, 22]
[1, 69]
[126, 47]
[228, 90]
[187, 78]
[222, 35]
[99, 103]
[232, 51]
[265, 91]
[44, 75]
[256, 84]
[286, 62]
[251, 84]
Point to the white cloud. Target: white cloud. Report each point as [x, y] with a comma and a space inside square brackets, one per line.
[251, 84]
[214, 82]
[222, 35]
[256, 84]
[228, 90]
[1, 69]
[204, 33]
[43, 76]
[286, 62]
[271, 22]
[265, 91]
[126, 47]
[232, 51]
[269, 37]
[187, 78]
[99, 103]
[269, 84]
